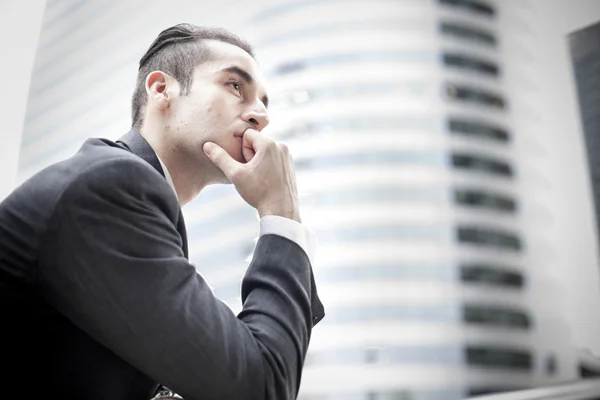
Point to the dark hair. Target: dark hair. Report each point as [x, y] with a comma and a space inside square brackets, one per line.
[177, 51]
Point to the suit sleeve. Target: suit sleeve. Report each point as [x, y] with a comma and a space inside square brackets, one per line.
[112, 263]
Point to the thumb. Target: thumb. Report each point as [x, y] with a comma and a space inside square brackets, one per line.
[220, 158]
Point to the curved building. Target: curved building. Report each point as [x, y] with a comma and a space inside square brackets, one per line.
[399, 116]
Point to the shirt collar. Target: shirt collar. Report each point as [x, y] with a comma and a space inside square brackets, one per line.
[167, 175]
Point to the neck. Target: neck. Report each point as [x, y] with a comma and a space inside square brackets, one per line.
[186, 171]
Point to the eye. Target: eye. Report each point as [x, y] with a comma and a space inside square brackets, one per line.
[236, 86]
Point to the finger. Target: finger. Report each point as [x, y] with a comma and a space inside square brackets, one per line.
[248, 151]
[252, 142]
[221, 159]
[284, 148]
[254, 139]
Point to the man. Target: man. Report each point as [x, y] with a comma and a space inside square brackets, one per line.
[97, 297]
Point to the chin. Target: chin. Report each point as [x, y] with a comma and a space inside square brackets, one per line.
[238, 157]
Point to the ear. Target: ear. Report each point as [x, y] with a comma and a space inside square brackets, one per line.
[157, 83]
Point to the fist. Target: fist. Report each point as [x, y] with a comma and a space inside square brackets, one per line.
[267, 181]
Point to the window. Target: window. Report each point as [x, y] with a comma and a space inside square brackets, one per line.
[551, 365]
[469, 95]
[203, 227]
[483, 130]
[492, 316]
[470, 63]
[492, 275]
[302, 96]
[401, 231]
[369, 271]
[477, 198]
[403, 56]
[468, 33]
[380, 157]
[475, 6]
[388, 193]
[439, 313]
[289, 67]
[214, 259]
[488, 237]
[483, 390]
[360, 124]
[390, 394]
[499, 357]
[481, 164]
[412, 354]
[302, 396]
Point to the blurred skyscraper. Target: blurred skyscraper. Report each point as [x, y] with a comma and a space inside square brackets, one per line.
[400, 119]
[410, 164]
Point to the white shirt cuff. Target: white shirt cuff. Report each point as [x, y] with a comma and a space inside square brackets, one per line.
[292, 230]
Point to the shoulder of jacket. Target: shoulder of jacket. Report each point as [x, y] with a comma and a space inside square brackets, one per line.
[106, 157]
[102, 168]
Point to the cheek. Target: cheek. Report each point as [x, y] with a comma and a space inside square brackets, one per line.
[221, 103]
[200, 117]
[214, 112]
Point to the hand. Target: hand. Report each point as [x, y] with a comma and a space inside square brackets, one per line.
[267, 181]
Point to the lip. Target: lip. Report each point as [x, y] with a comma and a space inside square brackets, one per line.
[240, 134]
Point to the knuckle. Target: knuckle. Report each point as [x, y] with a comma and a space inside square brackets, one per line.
[284, 148]
[270, 144]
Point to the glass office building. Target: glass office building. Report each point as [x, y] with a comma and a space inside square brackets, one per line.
[398, 114]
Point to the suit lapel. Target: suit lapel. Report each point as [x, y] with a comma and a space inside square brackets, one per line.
[183, 232]
[135, 143]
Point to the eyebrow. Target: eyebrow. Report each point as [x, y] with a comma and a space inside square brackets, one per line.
[246, 77]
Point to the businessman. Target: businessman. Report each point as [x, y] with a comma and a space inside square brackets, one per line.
[97, 297]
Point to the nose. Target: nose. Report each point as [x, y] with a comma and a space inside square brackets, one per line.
[257, 116]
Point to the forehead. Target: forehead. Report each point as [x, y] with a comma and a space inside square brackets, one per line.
[224, 55]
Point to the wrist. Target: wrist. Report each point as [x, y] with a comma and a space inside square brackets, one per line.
[292, 214]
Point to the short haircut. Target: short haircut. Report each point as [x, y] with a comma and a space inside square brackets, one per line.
[177, 51]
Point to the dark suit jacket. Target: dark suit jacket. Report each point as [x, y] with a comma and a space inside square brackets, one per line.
[98, 299]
